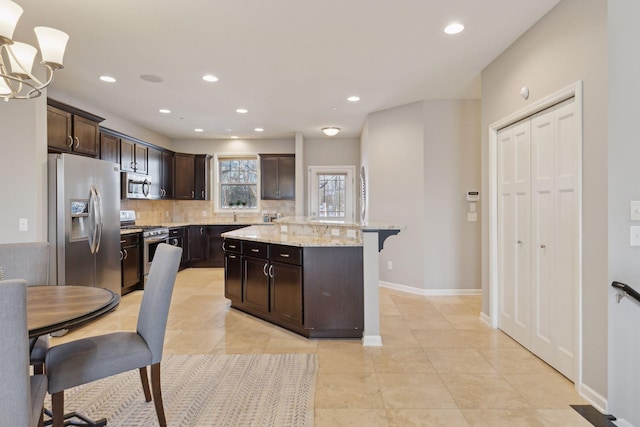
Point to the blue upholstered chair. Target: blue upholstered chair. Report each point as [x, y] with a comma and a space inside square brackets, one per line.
[89, 359]
[30, 262]
[21, 395]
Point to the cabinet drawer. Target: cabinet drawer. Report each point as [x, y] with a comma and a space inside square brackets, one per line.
[232, 245]
[130, 239]
[286, 254]
[176, 232]
[255, 249]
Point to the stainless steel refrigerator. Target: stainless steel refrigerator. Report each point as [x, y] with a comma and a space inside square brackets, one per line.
[84, 221]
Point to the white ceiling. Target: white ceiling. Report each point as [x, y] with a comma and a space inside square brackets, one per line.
[291, 63]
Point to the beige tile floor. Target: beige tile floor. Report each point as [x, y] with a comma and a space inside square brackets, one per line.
[439, 366]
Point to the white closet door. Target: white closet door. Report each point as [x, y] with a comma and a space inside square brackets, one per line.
[554, 203]
[514, 242]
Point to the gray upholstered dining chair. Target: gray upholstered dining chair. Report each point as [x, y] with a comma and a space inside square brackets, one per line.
[21, 395]
[89, 359]
[30, 262]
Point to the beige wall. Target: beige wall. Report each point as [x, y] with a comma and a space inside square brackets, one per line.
[23, 166]
[421, 158]
[567, 45]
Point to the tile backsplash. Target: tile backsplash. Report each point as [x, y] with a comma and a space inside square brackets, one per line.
[153, 212]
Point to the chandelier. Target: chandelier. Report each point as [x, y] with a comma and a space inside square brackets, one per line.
[16, 58]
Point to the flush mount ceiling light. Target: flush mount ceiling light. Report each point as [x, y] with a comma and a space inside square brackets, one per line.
[331, 131]
[16, 58]
[198, 130]
[107, 79]
[454, 28]
[259, 129]
[242, 111]
[209, 78]
[353, 98]
[164, 111]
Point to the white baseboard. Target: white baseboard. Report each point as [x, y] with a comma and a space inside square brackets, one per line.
[485, 319]
[620, 422]
[429, 292]
[372, 341]
[599, 402]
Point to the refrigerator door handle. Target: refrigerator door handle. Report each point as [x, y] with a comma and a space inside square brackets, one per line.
[94, 219]
[99, 223]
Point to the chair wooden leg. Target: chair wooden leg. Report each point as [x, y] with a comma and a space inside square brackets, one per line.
[57, 408]
[38, 369]
[144, 377]
[157, 394]
[41, 420]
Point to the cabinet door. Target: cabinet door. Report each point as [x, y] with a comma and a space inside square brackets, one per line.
[213, 246]
[131, 270]
[109, 148]
[127, 155]
[85, 135]
[167, 176]
[59, 129]
[287, 178]
[155, 172]
[141, 160]
[256, 284]
[286, 292]
[269, 177]
[184, 177]
[196, 248]
[201, 178]
[233, 277]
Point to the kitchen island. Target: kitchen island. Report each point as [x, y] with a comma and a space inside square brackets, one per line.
[305, 275]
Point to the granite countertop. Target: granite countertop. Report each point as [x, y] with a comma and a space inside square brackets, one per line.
[130, 231]
[303, 220]
[273, 235]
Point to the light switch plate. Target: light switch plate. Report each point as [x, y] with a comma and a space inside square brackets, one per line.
[635, 211]
[472, 216]
[634, 237]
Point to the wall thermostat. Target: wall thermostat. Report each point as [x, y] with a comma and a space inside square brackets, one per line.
[473, 196]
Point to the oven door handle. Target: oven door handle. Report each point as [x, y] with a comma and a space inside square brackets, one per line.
[156, 239]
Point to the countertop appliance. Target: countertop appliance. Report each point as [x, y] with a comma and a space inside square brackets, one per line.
[84, 234]
[152, 236]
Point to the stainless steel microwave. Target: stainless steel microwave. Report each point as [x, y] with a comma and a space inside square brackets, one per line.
[135, 186]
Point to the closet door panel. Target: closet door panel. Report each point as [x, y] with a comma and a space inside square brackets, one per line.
[514, 231]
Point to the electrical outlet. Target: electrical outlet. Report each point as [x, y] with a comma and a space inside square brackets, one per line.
[634, 238]
[335, 232]
[283, 228]
[24, 224]
[351, 233]
[389, 265]
[204, 213]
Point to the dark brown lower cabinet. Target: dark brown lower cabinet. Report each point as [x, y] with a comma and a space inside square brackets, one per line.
[314, 291]
[131, 262]
[205, 245]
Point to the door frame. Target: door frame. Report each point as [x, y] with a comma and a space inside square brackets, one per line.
[573, 90]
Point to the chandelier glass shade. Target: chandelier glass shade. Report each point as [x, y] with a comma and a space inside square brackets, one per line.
[16, 59]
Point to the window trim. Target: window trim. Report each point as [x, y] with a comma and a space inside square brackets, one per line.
[216, 178]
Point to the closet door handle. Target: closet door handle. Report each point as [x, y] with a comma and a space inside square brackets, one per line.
[519, 242]
[543, 246]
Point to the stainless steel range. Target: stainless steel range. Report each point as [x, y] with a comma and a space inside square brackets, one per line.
[152, 236]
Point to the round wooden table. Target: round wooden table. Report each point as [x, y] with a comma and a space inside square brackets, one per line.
[53, 308]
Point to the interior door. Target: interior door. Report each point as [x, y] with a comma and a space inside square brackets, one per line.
[514, 231]
[555, 154]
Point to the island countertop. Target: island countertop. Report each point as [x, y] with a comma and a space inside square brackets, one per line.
[272, 234]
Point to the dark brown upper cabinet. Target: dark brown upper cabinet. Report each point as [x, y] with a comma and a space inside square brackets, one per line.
[278, 176]
[71, 130]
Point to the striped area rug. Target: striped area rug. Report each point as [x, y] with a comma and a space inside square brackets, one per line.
[208, 390]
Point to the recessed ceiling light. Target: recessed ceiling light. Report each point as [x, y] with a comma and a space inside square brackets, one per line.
[353, 98]
[164, 111]
[242, 111]
[107, 79]
[198, 130]
[234, 136]
[454, 28]
[259, 130]
[209, 78]
[331, 131]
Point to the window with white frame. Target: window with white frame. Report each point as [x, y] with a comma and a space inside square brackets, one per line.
[331, 194]
[237, 182]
